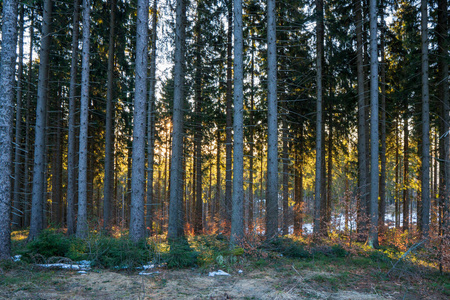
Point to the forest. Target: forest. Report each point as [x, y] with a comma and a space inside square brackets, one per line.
[245, 120]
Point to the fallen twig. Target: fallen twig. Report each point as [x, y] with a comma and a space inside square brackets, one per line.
[405, 254]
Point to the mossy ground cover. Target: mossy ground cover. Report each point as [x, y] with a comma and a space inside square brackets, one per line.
[286, 267]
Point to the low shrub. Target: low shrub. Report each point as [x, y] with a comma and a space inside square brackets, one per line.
[180, 255]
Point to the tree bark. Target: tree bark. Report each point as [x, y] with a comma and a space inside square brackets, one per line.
[71, 151]
[272, 125]
[137, 217]
[109, 130]
[37, 201]
[374, 138]
[17, 210]
[8, 58]
[425, 125]
[82, 221]
[382, 207]
[176, 215]
[237, 217]
[319, 113]
[405, 170]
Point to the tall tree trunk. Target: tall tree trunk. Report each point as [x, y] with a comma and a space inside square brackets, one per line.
[362, 155]
[8, 58]
[57, 166]
[374, 139]
[272, 124]
[26, 208]
[237, 217]
[71, 151]
[82, 221]
[251, 138]
[229, 121]
[397, 176]
[137, 216]
[329, 178]
[425, 125]
[109, 130]
[151, 121]
[37, 204]
[382, 207]
[176, 216]
[17, 210]
[319, 114]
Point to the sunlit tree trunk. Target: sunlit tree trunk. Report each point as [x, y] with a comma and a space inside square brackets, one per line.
[237, 217]
[176, 216]
[272, 124]
[8, 58]
[37, 204]
[405, 170]
[82, 221]
[298, 188]
[382, 207]
[319, 113]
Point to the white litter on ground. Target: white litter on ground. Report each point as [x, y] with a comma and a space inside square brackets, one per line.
[218, 273]
[83, 265]
[148, 273]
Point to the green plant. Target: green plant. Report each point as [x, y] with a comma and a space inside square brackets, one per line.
[181, 255]
[49, 243]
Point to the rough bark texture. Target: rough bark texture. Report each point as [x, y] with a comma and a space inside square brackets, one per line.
[176, 179]
[109, 134]
[237, 218]
[8, 58]
[425, 125]
[374, 173]
[137, 219]
[319, 139]
[82, 222]
[71, 148]
[37, 201]
[382, 207]
[272, 125]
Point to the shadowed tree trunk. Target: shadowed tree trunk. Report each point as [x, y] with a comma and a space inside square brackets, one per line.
[82, 221]
[137, 214]
[37, 205]
[8, 58]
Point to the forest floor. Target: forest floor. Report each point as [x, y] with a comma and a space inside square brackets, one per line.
[282, 278]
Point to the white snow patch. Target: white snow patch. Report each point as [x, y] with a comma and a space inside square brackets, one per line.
[218, 273]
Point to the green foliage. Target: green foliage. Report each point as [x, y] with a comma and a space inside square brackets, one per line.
[289, 248]
[181, 255]
[49, 243]
[118, 253]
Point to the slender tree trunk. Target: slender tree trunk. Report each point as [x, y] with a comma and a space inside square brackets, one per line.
[382, 207]
[251, 139]
[17, 210]
[397, 177]
[329, 171]
[298, 189]
[272, 124]
[237, 217]
[374, 138]
[285, 157]
[82, 221]
[151, 121]
[176, 179]
[405, 172]
[319, 113]
[57, 166]
[109, 130]
[71, 152]
[26, 207]
[218, 197]
[8, 58]
[229, 120]
[362, 155]
[37, 205]
[425, 125]
[137, 217]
